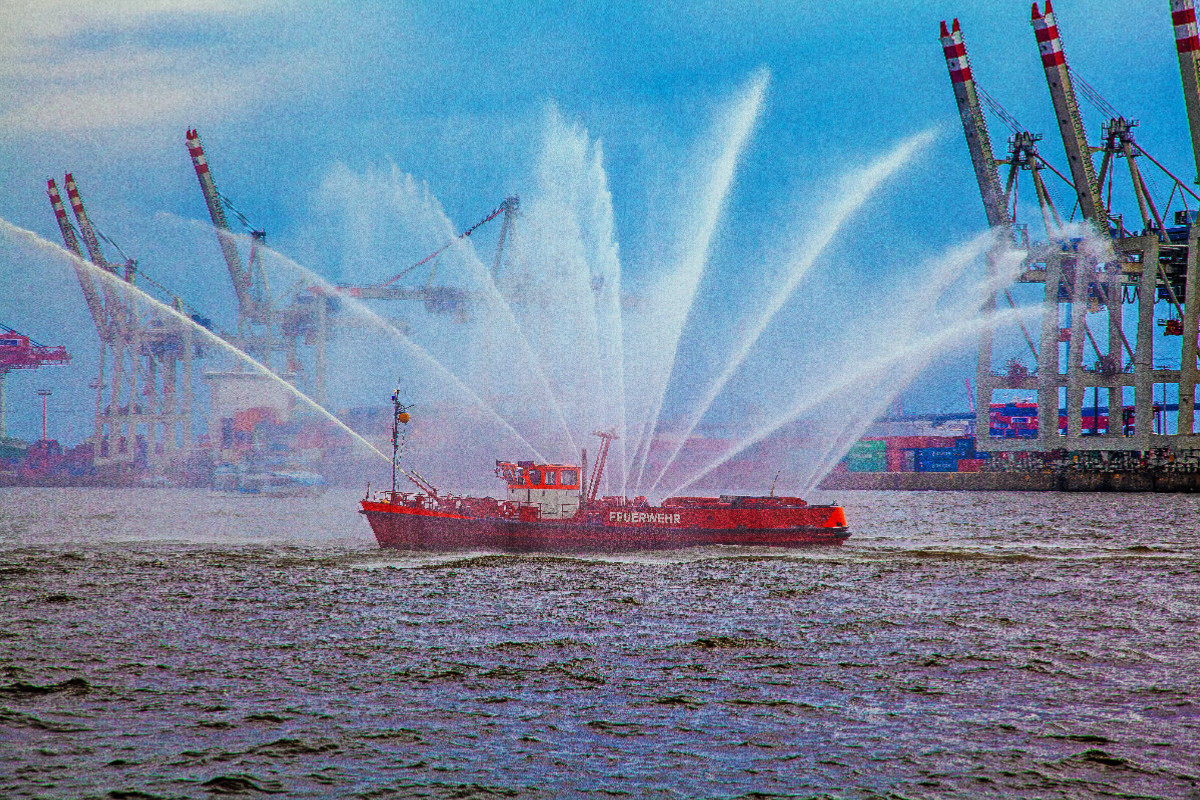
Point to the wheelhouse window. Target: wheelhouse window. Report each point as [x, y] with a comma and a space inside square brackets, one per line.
[535, 477]
[570, 477]
[552, 477]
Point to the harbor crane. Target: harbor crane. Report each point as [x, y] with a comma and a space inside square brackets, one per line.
[1150, 264]
[266, 325]
[18, 351]
[440, 299]
[145, 358]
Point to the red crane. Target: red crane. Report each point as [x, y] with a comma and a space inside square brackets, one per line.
[18, 351]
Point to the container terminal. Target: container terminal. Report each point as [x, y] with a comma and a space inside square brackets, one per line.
[1104, 395]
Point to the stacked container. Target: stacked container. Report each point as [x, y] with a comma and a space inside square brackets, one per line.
[868, 455]
[935, 459]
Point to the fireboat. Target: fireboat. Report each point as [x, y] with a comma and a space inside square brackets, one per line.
[557, 508]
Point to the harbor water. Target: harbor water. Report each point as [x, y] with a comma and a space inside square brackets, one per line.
[171, 643]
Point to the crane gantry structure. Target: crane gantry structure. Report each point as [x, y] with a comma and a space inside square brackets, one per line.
[144, 385]
[441, 299]
[143, 413]
[303, 316]
[270, 329]
[1089, 272]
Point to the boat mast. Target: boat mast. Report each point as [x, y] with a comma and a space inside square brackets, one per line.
[400, 417]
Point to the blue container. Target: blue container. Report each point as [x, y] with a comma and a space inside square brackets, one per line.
[936, 459]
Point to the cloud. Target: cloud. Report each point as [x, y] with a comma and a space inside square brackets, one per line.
[71, 67]
[53, 19]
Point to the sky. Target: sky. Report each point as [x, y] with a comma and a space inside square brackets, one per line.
[287, 93]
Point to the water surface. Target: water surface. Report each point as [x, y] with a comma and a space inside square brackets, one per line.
[168, 643]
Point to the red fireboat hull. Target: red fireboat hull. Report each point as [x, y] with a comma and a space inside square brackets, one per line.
[404, 528]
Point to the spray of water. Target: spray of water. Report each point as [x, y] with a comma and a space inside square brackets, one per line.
[566, 278]
[608, 303]
[413, 348]
[870, 373]
[921, 313]
[404, 209]
[676, 297]
[494, 297]
[853, 194]
[132, 291]
[359, 307]
[555, 275]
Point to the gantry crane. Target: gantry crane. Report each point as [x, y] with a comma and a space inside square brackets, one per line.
[1070, 123]
[18, 351]
[265, 325]
[1146, 264]
[148, 413]
[441, 299]
[1187, 46]
[248, 280]
[998, 205]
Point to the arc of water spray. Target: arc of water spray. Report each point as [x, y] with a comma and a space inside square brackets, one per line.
[856, 192]
[612, 346]
[870, 371]
[715, 196]
[415, 348]
[575, 188]
[382, 323]
[942, 275]
[120, 284]
[461, 245]
[531, 356]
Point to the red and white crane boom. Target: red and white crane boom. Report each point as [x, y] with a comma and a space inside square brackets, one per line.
[238, 274]
[85, 225]
[1070, 123]
[94, 304]
[1187, 45]
[974, 124]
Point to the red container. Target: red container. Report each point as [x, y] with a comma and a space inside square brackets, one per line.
[899, 460]
[970, 464]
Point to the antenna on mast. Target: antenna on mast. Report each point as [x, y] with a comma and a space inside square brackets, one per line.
[400, 416]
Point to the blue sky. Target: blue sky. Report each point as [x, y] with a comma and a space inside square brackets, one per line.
[454, 93]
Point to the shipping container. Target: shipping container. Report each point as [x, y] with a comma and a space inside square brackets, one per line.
[867, 448]
[935, 459]
[970, 464]
[900, 460]
[918, 442]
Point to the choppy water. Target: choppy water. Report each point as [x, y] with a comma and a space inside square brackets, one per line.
[180, 644]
